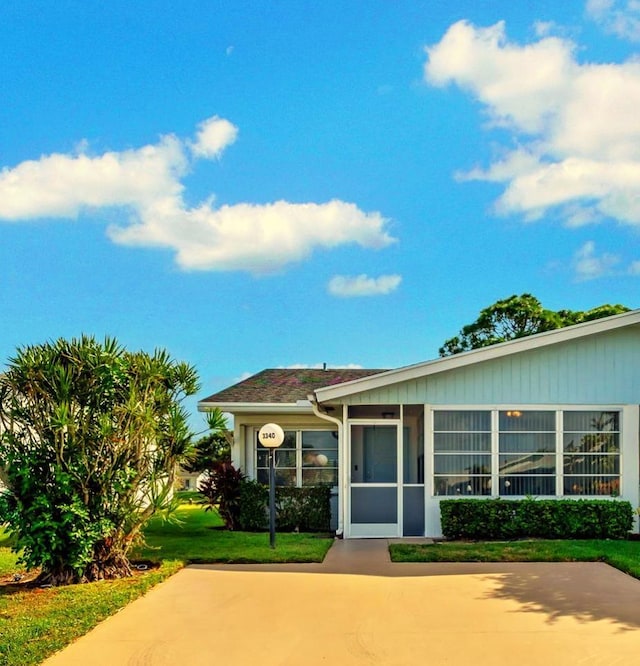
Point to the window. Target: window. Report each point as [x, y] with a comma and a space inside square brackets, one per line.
[526, 452]
[527, 445]
[462, 452]
[306, 458]
[286, 465]
[319, 457]
[591, 453]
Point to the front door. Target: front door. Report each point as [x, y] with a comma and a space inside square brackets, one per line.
[374, 498]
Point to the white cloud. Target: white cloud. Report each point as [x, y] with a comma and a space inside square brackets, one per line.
[243, 376]
[347, 286]
[588, 265]
[63, 185]
[634, 268]
[575, 125]
[617, 17]
[214, 135]
[544, 28]
[257, 238]
[147, 184]
[518, 85]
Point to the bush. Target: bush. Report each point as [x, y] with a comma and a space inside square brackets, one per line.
[547, 519]
[297, 509]
[222, 488]
[244, 504]
[303, 509]
[254, 502]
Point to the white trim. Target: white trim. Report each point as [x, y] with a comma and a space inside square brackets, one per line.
[433, 367]
[346, 473]
[630, 456]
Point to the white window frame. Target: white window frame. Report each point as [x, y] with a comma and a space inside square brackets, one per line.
[430, 453]
[299, 451]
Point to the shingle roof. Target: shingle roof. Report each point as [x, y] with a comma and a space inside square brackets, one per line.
[285, 385]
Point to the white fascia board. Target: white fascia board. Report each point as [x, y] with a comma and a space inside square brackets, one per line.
[300, 407]
[433, 367]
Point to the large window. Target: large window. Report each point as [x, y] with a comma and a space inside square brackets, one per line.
[306, 458]
[518, 452]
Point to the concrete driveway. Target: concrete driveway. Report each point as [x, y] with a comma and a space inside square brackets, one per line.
[359, 608]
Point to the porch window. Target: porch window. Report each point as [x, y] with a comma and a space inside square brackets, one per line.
[591, 453]
[462, 452]
[514, 452]
[527, 445]
[306, 458]
[319, 457]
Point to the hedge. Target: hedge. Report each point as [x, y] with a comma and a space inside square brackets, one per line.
[546, 519]
[303, 509]
[297, 509]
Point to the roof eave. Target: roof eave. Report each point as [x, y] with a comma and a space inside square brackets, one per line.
[299, 407]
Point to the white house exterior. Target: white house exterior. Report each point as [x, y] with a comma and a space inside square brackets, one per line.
[553, 415]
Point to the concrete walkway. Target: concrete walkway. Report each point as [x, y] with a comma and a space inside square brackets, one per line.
[359, 608]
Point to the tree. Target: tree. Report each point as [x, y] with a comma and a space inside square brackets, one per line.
[90, 438]
[214, 447]
[518, 317]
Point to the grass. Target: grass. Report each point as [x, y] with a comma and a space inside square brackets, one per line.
[35, 623]
[189, 496]
[195, 540]
[623, 555]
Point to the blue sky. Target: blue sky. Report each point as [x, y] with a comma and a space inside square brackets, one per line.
[255, 184]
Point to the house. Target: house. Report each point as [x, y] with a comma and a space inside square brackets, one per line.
[554, 415]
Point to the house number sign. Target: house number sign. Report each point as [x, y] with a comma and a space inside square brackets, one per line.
[271, 435]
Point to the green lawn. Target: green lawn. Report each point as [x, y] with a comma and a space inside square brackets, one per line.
[34, 623]
[624, 555]
[194, 539]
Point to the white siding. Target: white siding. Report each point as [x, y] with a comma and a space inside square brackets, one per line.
[600, 369]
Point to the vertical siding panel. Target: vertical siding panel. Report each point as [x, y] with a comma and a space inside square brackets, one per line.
[529, 371]
[516, 379]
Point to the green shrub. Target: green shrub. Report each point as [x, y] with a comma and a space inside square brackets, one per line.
[297, 509]
[547, 519]
[254, 499]
[303, 509]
